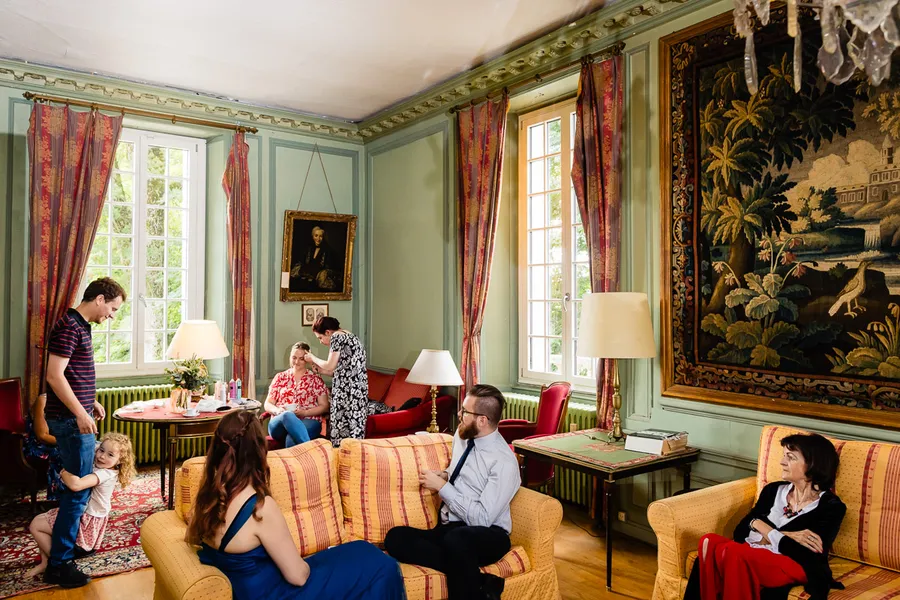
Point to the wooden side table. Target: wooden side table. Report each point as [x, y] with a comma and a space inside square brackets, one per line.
[589, 451]
[173, 427]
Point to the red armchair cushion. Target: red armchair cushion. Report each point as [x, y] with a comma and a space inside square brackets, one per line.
[516, 429]
[400, 391]
[406, 422]
[12, 418]
[537, 472]
[378, 383]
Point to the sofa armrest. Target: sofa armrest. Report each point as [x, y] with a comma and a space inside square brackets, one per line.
[179, 573]
[680, 521]
[535, 519]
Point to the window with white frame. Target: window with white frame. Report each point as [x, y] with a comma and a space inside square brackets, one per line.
[554, 264]
[151, 241]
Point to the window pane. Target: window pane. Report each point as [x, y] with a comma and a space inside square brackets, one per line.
[175, 284]
[556, 285]
[537, 283]
[122, 216]
[174, 255]
[537, 354]
[536, 140]
[156, 191]
[581, 247]
[582, 280]
[155, 315]
[156, 253]
[584, 365]
[536, 247]
[153, 347]
[176, 219]
[122, 320]
[174, 312]
[123, 278]
[556, 318]
[539, 318]
[177, 160]
[576, 212]
[156, 222]
[554, 173]
[554, 242]
[100, 251]
[121, 251]
[154, 284]
[120, 348]
[92, 273]
[121, 187]
[103, 226]
[555, 201]
[124, 160]
[536, 211]
[176, 194]
[554, 133]
[556, 357]
[98, 341]
[156, 160]
[536, 176]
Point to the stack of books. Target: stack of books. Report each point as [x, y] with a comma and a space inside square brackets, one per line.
[656, 441]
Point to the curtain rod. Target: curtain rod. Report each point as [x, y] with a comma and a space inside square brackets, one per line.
[602, 54]
[136, 111]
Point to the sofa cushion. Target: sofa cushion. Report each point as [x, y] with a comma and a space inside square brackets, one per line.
[868, 482]
[423, 583]
[304, 484]
[378, 383]
[379, 483]
[401, 391]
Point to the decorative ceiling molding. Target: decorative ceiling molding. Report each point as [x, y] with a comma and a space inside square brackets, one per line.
[565, 45]
[89, 87]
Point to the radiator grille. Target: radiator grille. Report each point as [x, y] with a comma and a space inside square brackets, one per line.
[144, 438]
[571, 486]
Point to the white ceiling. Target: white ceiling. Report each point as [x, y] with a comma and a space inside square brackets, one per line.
[346, 59]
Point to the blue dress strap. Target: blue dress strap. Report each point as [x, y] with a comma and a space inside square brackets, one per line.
[242, 517]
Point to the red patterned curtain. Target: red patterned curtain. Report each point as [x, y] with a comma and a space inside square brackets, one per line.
[595, 175]
[236, 182]
[481, 131]
[70, 158]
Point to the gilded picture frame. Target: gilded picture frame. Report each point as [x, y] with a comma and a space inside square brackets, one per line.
[317, 256]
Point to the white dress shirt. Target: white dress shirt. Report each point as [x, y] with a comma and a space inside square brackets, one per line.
[779, 520]
[485, 486]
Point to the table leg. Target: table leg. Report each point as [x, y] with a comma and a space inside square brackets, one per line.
[162, 462]
[522, 479]
[686, 474]
[609, 487]
[173, 451]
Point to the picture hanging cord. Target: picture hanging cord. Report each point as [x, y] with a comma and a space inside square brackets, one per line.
[321, 162]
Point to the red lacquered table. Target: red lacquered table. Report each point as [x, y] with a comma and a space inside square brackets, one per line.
[173, 427]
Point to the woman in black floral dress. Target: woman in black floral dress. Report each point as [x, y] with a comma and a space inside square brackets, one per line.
[350, 386]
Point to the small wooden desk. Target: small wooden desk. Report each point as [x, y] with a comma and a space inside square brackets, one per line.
[173, 427]
[589, 451]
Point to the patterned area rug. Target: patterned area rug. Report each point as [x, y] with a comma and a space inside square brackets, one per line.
[121, 550]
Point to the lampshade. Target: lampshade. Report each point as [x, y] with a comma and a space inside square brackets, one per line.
[202, 338]
[616, 325]
[434, 367]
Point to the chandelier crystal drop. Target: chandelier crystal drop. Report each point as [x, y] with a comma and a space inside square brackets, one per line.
[856, 35]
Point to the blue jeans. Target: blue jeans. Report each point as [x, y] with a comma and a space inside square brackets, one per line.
[292, 430]
[76, 452]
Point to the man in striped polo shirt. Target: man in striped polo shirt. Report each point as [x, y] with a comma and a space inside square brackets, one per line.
[70, 412]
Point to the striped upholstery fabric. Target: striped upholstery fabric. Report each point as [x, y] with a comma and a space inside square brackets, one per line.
[868, 483]
[514, 562]
[861, 582]
[423, 583]
[302, 482]
[379, 483]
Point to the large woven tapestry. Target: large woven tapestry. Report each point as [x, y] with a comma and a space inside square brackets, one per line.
[781, 229]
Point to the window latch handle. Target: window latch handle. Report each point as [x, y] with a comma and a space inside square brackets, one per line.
[566, 299]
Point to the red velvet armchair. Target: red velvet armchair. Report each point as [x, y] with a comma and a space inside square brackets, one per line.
[551, 417]
[15, 469]
[393, 390]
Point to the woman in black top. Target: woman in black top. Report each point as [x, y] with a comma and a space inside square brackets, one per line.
[785, 539]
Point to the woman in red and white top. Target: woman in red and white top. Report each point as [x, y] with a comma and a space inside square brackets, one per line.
[297, 401]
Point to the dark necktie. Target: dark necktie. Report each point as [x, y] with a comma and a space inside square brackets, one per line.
[462, 460]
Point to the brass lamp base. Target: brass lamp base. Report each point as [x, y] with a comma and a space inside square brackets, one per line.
[433, 427]
[616, 433]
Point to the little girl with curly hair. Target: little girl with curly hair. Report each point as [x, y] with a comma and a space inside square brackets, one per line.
[113, 463]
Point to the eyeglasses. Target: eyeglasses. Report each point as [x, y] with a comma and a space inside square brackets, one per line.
[463, 412]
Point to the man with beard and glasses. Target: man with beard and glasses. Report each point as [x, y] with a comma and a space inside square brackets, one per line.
[475, 523]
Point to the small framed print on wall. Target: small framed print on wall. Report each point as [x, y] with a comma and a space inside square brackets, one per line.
[311, 312]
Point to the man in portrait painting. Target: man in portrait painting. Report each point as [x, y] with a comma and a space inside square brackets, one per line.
[315, 269]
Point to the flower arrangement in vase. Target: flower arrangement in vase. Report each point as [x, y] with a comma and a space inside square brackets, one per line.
[190, 377]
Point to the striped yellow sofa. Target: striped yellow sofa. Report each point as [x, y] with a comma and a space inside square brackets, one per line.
[866, 553]
[329, 497]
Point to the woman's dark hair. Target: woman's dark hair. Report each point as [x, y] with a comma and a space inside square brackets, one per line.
[820, 456]
[324, 324]
[236, 459]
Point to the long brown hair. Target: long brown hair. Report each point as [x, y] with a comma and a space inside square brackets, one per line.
[236, 459]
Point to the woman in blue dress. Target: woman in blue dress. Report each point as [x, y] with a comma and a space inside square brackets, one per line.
[258, 554]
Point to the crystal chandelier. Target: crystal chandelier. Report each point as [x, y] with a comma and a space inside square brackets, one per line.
[856, 34]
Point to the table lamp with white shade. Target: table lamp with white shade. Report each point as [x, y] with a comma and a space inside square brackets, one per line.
[195, 339]
[616, 325]
[434, 368]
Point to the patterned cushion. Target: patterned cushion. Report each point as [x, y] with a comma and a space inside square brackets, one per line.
[379, 483]
[868, 482]
[304, 484]
[427, 584]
